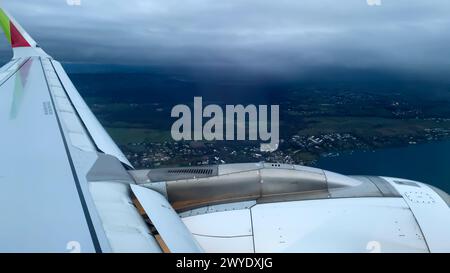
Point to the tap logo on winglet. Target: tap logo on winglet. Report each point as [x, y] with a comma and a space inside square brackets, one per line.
[12, 33]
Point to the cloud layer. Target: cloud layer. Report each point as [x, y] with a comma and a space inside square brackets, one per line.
[262, 35]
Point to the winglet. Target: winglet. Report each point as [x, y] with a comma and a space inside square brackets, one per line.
[21, 42]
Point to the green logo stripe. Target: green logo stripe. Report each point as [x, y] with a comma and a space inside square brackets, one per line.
[4, 22]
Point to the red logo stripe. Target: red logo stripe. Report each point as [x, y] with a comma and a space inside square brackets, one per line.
[17, 40]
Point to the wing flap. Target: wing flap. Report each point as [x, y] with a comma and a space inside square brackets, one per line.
[173, 231]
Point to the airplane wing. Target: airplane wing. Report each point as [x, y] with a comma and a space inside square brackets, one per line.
[65, 186]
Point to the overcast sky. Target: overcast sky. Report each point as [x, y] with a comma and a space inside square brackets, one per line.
[255, 34]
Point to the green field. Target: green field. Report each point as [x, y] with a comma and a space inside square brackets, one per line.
[369, 126]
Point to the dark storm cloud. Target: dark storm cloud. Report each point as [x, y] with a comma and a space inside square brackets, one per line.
[253, 34]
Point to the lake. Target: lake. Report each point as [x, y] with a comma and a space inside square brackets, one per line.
[428, 163]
